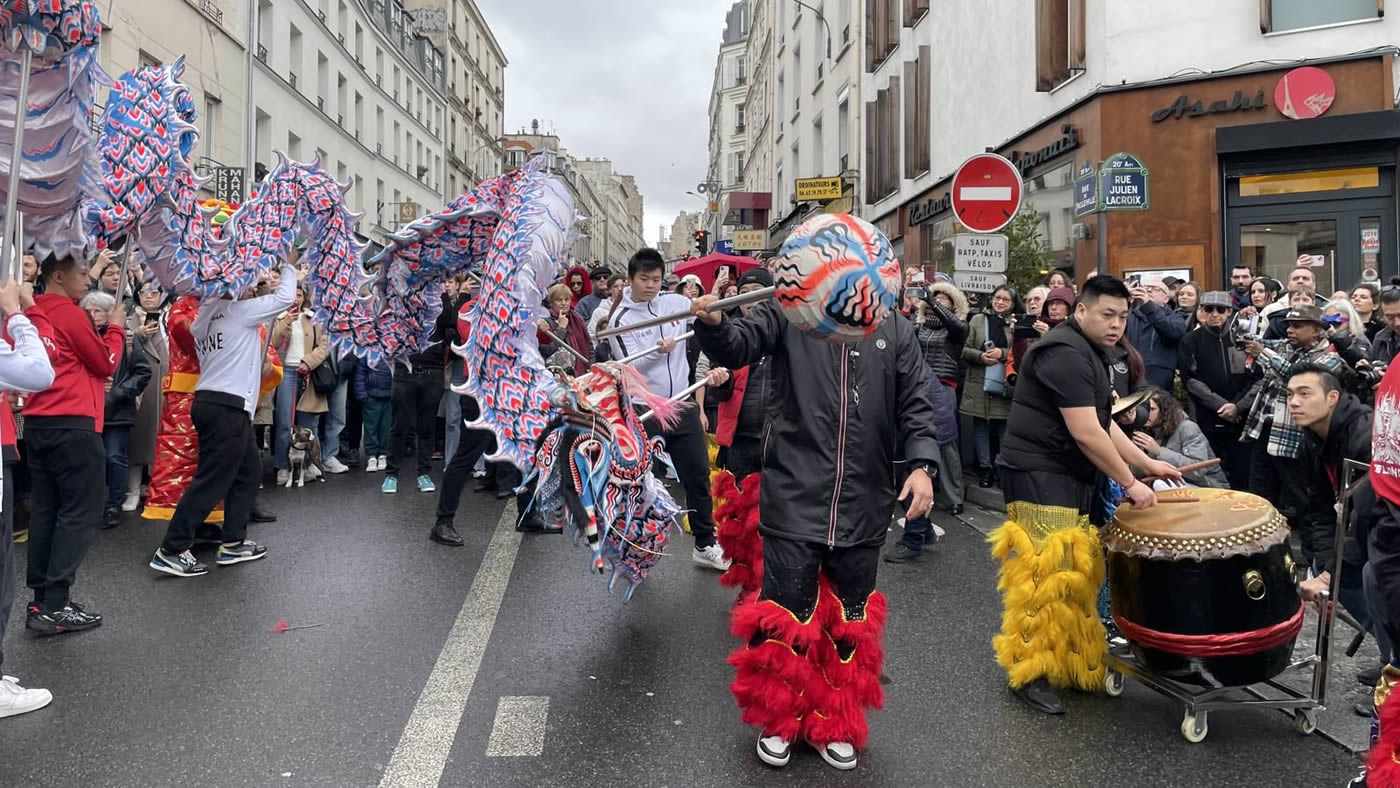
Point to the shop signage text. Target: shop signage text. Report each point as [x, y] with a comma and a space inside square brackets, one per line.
[749, 240]
[923, 211]
[1086, 189]
[724, 247]
[1185, 107]
[1123, 184]
[817, 189]
[979, 253]
[1025, 161]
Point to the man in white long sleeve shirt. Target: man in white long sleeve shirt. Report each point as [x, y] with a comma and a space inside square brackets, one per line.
[24, 366]
[668, 373]
[230, 464]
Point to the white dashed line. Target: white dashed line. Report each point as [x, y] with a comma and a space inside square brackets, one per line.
[519, 727]
[422, 751]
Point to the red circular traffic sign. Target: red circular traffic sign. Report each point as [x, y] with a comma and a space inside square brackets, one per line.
[986, 193]
[1304, 93]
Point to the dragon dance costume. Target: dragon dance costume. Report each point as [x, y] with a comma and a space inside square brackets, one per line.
[177, 446]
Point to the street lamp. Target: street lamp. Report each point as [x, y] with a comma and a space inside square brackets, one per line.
[820, 16]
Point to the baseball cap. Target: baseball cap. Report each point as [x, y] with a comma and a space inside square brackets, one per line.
[1217, 298]
[1171, 281]
[1304, 314]
[758, 276]
[600, 272]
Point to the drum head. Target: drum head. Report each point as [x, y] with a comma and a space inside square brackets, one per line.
[1222, 523]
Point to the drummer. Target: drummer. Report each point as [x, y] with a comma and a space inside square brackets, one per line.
[1058, 436]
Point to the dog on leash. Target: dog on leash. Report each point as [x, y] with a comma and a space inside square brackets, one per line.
[303, 449]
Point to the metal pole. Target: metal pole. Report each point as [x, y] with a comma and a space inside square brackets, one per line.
[653, 349]
[679, 395]
[753, 296]
[250, 125]
[7, 254]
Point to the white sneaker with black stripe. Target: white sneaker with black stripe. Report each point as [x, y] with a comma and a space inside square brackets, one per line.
[774, 750]
[180, 564]
[839, 754]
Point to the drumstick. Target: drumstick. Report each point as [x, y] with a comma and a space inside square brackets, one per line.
[1185, 469]
[680, 395]
[750, 297]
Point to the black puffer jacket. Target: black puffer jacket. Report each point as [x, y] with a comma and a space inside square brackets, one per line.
[943, 331]
[128, 382]
[841, 414]
[1320, 469]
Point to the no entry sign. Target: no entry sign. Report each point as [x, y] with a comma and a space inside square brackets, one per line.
[986, 193]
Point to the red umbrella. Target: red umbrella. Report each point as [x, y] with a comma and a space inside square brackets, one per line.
[707, 267]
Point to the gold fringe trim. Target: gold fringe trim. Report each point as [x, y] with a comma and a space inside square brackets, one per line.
[1050, 627]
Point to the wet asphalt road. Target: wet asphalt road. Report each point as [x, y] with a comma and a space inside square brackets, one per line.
[546, 679]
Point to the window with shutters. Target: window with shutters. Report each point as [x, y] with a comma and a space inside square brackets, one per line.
[914, 10]
[882, 148]
[1059, 42]
[917, 107]
[1278, 16]
[882, 23]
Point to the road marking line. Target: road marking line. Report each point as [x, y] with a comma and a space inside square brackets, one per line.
[519, 726]
[421, 754]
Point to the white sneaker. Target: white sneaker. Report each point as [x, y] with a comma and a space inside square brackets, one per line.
[282, 477]
[15, 699]
[334, 465]
[312, 473]
[712, 556]
[131, 501]
[839, 754]
[371, 464]
[774, 750]
[383, 462]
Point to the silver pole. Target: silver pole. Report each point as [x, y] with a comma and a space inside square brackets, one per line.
[753, 296]
[679, 395]
[250, 124]
[650, 350]
[8, 255]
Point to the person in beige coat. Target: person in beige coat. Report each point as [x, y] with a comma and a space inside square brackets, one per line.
[301, 344]
[147, 325]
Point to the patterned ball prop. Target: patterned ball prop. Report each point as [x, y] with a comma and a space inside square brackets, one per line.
[837, 278]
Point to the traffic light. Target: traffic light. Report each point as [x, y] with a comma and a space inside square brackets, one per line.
[702, 241]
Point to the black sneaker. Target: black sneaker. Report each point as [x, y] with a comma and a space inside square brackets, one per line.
[70, 618]
[902, 553]
[247, 550]
[261, 515]
[111, 519]
[179, 565]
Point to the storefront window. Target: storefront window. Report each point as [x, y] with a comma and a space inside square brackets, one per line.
[1051, 194]
[1273, 249]
[938, 243]
[1310, 181]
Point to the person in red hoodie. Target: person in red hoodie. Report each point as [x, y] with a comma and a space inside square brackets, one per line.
[63, 436]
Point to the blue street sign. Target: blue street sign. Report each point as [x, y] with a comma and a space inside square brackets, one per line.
[1086, 189]
[1123, 184]
[724, 247]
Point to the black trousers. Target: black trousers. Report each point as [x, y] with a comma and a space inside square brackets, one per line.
[690, 454]
[68, 468]
[416, 396]
[1235, 457]
[790, 570]
[470, 446]
[742, 457]
[228, 469]
[7, 554]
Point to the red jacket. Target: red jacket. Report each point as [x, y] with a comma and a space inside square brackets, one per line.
[81, 362]
[7, 417]
[727, 414]
[464, 323]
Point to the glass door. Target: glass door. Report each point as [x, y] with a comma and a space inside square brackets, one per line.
[1343, 242]
[1274, 249]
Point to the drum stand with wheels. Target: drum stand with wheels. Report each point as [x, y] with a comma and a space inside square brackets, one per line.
[1200, 701]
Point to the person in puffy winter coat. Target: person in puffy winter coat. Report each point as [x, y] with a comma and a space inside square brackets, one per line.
[1171, 436]
[940, 321]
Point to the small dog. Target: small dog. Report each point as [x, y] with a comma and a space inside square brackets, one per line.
[304, 448]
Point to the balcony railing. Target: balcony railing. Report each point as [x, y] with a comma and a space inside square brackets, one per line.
[262, 53]
[212, 10]
[292, 79]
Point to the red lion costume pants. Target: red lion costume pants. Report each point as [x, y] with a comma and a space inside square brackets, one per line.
[810, 624]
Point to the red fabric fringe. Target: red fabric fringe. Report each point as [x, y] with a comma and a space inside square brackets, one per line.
[773, 684]
[1382, 768]
[849, 686]
[736, 530]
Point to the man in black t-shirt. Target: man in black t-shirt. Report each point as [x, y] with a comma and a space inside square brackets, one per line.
[1059, 435]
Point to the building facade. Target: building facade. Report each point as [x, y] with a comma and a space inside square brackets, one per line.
[475, 72]
[682, 235]
[1188, 140]
[352, 82]
[728, 126]
[620, 211]
[212, 38]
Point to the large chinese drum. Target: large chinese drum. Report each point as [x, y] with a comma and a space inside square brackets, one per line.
[1204, 591]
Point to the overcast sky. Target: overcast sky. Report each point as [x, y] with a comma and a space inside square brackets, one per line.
[627, 80]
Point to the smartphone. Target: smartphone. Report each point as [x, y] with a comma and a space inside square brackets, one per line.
[152, 317]
[1314, 260]
[917, 292]
[1135, 280]
[988, 345]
